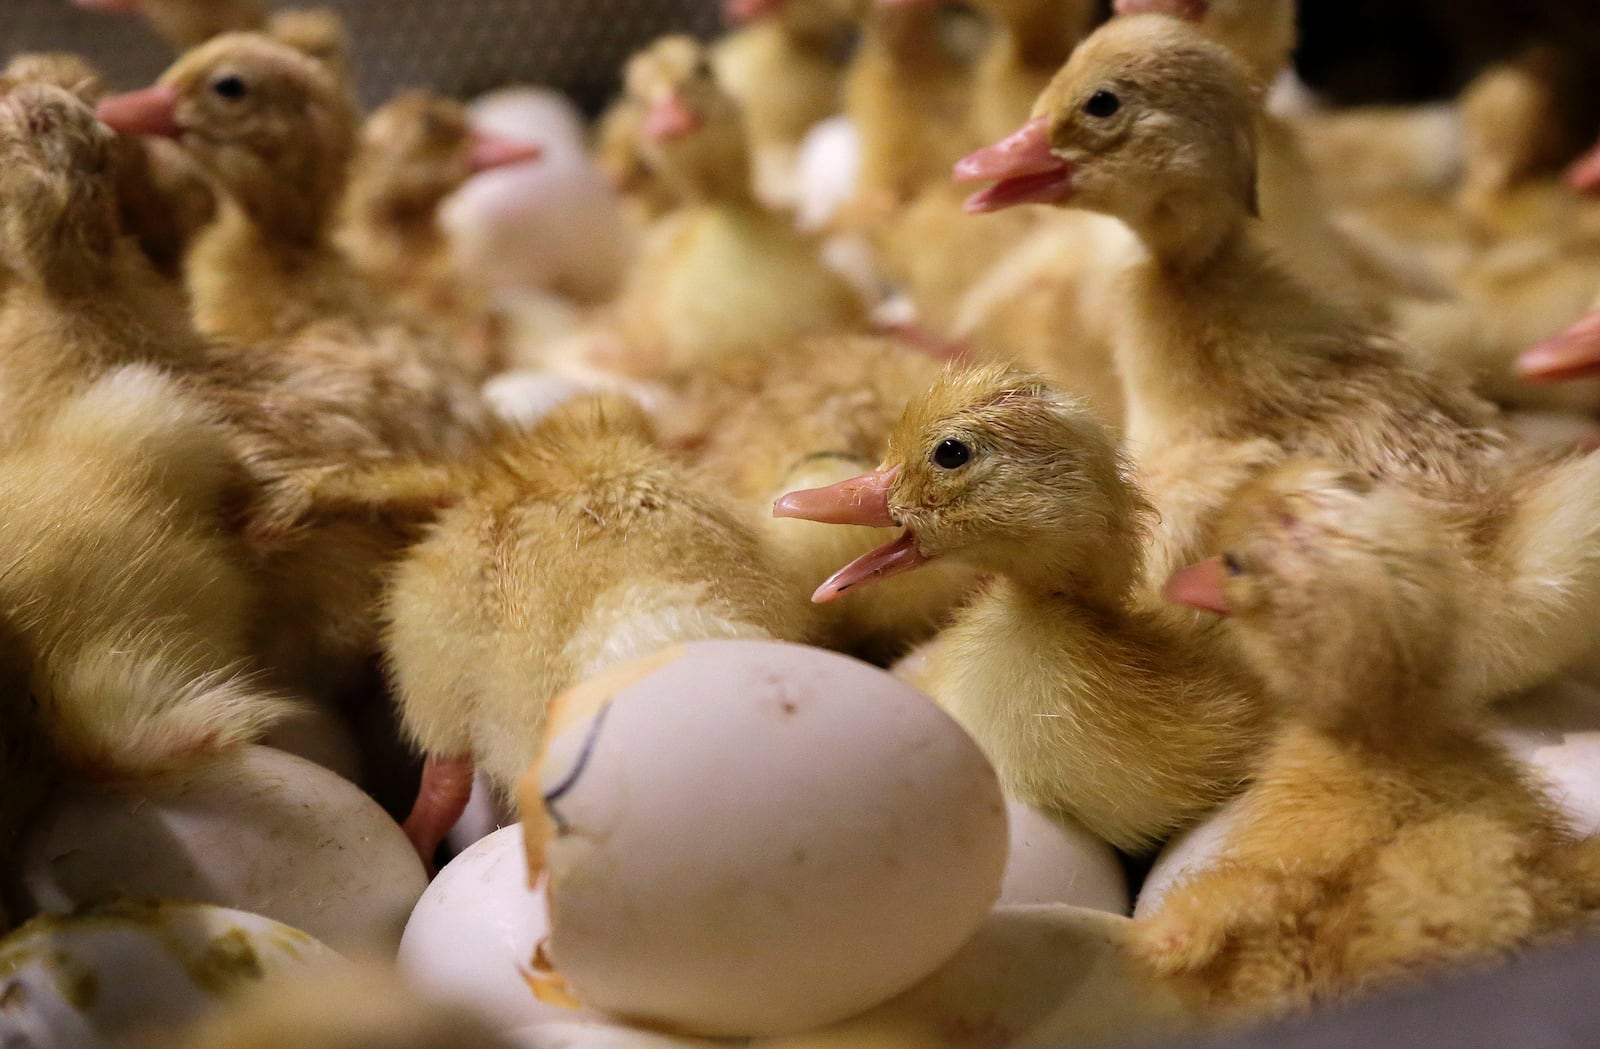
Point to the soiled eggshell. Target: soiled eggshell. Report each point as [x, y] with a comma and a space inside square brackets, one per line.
[258, 830]
[1057, 860]
[750, 838]
[475, 931]
[1032, 977]
[97, 978]
[1189, 852]
[1555, 731]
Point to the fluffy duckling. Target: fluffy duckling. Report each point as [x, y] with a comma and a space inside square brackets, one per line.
[416, 151]
[578, 546]
[722, 274]
[76, 298]
[784, 66]
[1219, 348]
[1088, 704]
[126, 607]
[188, 23]
[1385, 833]
[1032, 40]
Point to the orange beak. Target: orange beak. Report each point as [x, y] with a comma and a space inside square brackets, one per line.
[1584, 174]
[1188, 10]
[743, 12]
[1023, 168]
[1574, 354]
[671, 118]
[153, 111]
[488, 152]
[1202, 586]
[864, 501]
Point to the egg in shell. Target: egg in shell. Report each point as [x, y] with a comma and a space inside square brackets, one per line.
[754, 838]
[100, 977]
[259, 830]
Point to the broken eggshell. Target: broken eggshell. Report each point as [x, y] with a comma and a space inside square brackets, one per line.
[1054, 859]
[753, 838]
[1554, 730]
[97, 978]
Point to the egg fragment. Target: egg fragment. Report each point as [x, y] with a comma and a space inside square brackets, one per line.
[1555, 731]
[752, 838]
[475, 930]
[97, 978]
[1056, 860]
[260, 830]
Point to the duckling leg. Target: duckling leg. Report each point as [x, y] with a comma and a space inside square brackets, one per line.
[441, 799]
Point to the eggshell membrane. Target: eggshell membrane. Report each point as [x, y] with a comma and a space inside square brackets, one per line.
[94, 979]
[475, 931]
[1055, 859]
[754, 838]
[259, 830]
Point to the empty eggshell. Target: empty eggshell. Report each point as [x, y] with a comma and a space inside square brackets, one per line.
[97, 978]
[1190, 852]
[1555, 731]
[475, 931]
[748, 838]
[259, 830]
[1056, 860]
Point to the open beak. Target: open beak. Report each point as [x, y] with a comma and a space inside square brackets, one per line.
[1202, 586]
[1584, 174]
[153, 111]
[1023, 169]
[864, 501]
[670, 118]
[1574, 354]
[1188, 10]
[488, 152]
[893, 558]
[743, 12]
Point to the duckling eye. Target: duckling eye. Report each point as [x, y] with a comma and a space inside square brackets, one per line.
[230, 87]
[1102, 104]
[1230, 561]
[951, 454]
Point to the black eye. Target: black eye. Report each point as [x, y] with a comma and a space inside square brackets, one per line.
[951, 455]
[1102, 104]
[231, 88]
[1231, 563]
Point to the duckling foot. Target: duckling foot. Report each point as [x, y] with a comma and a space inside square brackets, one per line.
[441, 799]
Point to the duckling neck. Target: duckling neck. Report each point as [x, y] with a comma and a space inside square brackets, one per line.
[1098, 580]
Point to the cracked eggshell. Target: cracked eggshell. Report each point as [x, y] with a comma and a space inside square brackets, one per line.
[1555, 731]
[1057, 860]
[752, 838]
[97, 978]
[473, 935]
[258, 830]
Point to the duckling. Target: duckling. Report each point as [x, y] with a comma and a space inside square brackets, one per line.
[722, 274]
[1032, 40]
[783, 64]
[575, 547]
[416, 150]
[1219, 347]
[188, 23]
[1089, 705]
[807, 417]
[76, 298]
[1385, 833]
[128, 603]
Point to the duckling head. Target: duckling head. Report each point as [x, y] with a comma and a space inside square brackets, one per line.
[58, 218]
[998, 469]
[1149, 121]
[691, 132]
[1262, 33]
[272, 126]
[71, 73]
[1342, 591]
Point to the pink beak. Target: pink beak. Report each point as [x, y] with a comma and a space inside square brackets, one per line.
[1584, 174]
[1024, 170]
[494, 151]
[670, 118]
[1573, 354]
[1202, 586]
[743, 12]
[861, 500]
[1188, 10]
[153, 111]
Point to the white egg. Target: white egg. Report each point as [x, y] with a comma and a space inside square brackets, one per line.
[748, 838]
[1555, 731]
[1190, 852]
[485, 814]
[474, 933]
[95, 979]
[1057, 860]
[260, 830]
